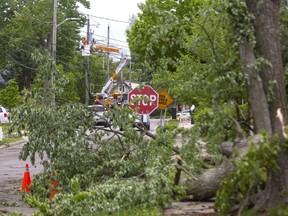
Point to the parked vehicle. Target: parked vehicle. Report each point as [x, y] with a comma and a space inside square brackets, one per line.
[184, 113]
[142, 121]
[4, 114]
[99, 114]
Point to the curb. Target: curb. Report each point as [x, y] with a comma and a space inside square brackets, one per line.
[13, 144]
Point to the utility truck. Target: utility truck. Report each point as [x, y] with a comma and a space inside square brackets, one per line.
[108, 96]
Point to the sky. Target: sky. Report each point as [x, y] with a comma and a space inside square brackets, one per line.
[114, 13]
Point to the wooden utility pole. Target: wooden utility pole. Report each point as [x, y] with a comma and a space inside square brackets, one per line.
[87, 66]
[53, 53]
[108, 53]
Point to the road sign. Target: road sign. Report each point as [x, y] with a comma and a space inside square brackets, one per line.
[164, 99]
[149, 99]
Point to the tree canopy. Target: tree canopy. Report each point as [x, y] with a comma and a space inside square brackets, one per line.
[219, 55]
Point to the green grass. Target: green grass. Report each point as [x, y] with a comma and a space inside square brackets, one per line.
[169, 125]
[137, 212]
[5, 127]
[172, 124]
[8, 139]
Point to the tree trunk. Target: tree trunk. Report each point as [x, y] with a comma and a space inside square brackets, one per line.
[267, 32]
[266, 25]
[257, 96]
[267, 97]
[205, 186]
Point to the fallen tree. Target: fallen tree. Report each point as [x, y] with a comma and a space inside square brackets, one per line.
[205, 186]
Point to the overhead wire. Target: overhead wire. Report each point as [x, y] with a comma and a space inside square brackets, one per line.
[28, 52]
[114, 55]
[113, 39]
[109, 19]
[19, 63]
[101, 36]
[14, 60]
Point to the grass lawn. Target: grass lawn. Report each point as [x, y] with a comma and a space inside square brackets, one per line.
[169, 125]
[156, 211]
[8, 139]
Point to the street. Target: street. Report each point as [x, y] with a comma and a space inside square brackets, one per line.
[11, 176]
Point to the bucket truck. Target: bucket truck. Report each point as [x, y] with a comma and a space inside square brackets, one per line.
[106, 97]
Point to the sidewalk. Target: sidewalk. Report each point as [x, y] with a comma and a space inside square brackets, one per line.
[186, 124]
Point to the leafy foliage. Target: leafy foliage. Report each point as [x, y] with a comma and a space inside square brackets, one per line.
[95, 174]
[10, 97]
[157, 35]
[185, 46]
[104, 169]
[204, 70]
[27, 27]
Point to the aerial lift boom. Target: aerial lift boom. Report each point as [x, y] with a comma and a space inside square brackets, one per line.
[106, 92]
[109, 85]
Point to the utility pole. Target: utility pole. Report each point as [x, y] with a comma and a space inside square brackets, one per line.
[130, 70]
[108, 54]
[53, 52]
[87, 66]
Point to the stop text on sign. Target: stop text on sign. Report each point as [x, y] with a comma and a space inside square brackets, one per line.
[146, 101]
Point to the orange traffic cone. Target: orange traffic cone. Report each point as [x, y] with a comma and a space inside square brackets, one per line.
[54, 184]
[26, 180]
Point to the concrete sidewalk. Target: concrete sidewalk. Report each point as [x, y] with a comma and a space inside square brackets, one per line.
[186, 125]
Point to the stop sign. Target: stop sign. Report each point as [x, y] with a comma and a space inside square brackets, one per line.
[149, 99]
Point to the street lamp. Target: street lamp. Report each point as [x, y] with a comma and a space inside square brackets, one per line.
[53, 51]
[71, 19]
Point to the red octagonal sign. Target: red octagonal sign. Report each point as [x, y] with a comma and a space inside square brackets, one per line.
[149, 100]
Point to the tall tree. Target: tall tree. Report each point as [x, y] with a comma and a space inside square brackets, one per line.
[256, 24]
[157, 35]
[28, 26]
[10, 97]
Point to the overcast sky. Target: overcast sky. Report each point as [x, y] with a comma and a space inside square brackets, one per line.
[112, 13]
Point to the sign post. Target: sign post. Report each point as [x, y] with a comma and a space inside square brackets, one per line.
[164, 101]
[148, 99]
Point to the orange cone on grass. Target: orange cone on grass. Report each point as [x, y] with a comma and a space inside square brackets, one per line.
[26, 180]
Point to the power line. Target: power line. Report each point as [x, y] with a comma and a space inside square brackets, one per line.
[114, 20]
[101, 36]
[17, 62]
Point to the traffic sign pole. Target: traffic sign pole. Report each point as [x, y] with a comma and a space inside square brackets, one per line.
[164, 101]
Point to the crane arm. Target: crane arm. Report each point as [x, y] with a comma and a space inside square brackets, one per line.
[108, 86]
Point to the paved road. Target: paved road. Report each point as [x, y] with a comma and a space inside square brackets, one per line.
[11, 167]
[11, 176]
